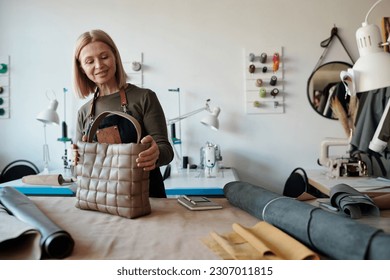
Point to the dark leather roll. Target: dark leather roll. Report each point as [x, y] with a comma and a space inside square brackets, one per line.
[55, 242]
[332, 235]
[352, 202]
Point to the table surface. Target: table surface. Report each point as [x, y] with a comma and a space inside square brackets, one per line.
[170, 232]
[197, 182]
[320, 180]
[173, 229]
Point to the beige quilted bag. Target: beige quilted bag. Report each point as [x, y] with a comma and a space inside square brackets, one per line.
[108, 179]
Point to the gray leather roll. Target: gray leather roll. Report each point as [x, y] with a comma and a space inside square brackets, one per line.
[55, 242]
[352, 202]
[332, 235]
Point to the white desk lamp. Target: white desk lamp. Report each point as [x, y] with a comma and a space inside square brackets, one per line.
[371, 71]
[48, 116]
[211, 120]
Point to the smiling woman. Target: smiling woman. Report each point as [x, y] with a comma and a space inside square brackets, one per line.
[96, 52]
[98, 70]
[97, 61]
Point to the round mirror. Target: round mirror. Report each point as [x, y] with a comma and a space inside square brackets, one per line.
[324, 85]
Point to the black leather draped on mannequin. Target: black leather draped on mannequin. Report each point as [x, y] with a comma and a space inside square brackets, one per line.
[371, 107]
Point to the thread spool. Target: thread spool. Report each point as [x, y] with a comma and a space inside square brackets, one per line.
[263, 58]
[276, 61]
[274, 92]
[265, 69]
[252, 68]
[275, 67]
[262, 92]
[275, 57]
[252, 57]
[259, 82]
[185, 162]
[136, 66]
[256, 104]
[273, 81]
[3, 68]
[173, 130]
[64, 130]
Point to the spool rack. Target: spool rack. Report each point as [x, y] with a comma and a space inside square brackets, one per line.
[4, 87]
[255, 102]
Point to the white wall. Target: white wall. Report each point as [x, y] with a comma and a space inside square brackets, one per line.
[196, 45]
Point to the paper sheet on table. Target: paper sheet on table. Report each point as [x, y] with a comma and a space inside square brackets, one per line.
[260, 242]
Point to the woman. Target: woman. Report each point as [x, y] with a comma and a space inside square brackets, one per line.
[98, 70]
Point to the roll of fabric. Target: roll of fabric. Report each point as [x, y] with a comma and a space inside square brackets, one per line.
[352, 202]
[49, 180]
[18, 240]
[331, 235]
[55, 242]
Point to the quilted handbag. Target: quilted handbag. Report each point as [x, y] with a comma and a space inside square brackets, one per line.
[108, 179]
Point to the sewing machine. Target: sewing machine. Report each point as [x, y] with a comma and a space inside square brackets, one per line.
[210, 154]
[339, 166]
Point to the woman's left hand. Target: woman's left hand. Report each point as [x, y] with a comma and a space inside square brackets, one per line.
[148, 158]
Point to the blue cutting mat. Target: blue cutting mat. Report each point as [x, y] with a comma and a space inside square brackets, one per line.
[45, 191]
[195, 191]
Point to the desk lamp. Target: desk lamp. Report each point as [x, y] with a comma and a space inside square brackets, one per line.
[371, 71]
[48, 116]
[211, 120]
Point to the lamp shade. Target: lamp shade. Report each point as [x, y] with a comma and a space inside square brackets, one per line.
[372, 69]
[211, 120]
[49, 115]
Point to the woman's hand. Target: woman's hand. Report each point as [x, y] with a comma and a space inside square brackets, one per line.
[148, 158]
[75, 151]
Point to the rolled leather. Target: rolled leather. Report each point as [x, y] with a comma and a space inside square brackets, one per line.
[50, 179]
[352, 202]
[332, 235]
[18, 240]
[55, 242]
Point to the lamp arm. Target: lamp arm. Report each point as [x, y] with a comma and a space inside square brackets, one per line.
[177, 119]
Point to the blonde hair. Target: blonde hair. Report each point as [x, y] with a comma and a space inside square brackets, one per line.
[83, 86]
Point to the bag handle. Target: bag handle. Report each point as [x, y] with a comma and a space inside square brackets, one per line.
[102, 115]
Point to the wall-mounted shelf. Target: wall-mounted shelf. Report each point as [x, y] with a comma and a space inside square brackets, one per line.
[4, 87]
[259, 69]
